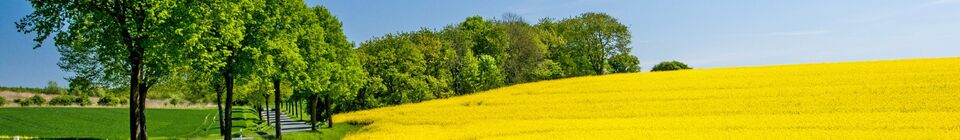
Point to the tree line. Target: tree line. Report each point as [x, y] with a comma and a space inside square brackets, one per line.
[242, 52]
[480, 54]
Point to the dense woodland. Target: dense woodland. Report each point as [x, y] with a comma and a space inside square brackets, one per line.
[254, 52]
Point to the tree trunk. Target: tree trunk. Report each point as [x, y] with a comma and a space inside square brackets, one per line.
[296, 108]
[137, 91]
[276, 97]
[312, 107]
[217, 89]
[134, 105]
[228, 109]
[299, 108]
[137, 122]
[141, 111]
[266, 104]
[328, 110]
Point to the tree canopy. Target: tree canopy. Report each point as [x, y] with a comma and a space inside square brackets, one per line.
[669, 66]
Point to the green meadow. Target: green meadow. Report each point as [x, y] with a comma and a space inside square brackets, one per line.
[72, 122]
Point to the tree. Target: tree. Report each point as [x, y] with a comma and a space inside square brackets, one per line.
[669, 66]
[487, 38]
[275, 52]
[347, 75]
[396, 60]
[465, 67]
[83, 86]
[591, 39]
[623, 63]
[489, 73]
[120, 42]
[213, 32]
[316, 53]
[334, 69]
[525, 49]
[438, 57]
[53, 88]
[467, 79]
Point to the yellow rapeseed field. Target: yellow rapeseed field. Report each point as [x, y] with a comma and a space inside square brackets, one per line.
[900, 99]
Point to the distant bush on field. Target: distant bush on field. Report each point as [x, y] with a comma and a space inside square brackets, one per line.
[670, 65]
[34, 100]
[82, 101]
[110, 101]
[70, 100]
[3, 101]
[175, 101]
[62, 100]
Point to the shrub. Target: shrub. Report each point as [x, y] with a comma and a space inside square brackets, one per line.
[22, 102]
[63, 100]
[3, 101]
[35, 100]
[108, 101]
[669, 66]
[82, 101]
[122, 101]
[175, 101]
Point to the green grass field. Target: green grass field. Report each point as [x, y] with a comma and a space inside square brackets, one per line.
[72, 122]
[112, 123]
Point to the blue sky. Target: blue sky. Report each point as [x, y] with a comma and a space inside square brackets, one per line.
[702, 33]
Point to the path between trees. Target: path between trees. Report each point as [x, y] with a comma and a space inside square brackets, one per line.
[286, 124]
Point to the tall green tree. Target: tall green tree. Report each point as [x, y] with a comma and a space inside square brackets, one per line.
[464, 66]
[591, 39]
[560, 62]
[119, 42]
[401, 66]
[525, 50]
[214, 31]
[334, 71]
[347, 75]
[274, 39]
[439, 57]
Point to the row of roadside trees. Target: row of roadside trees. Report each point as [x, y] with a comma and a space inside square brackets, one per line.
[244, 51]
[213, 43]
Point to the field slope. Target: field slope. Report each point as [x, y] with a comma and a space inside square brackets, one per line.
[918, 98]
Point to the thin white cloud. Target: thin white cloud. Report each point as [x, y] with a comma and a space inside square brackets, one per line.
[938, 2]
[787, 33]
